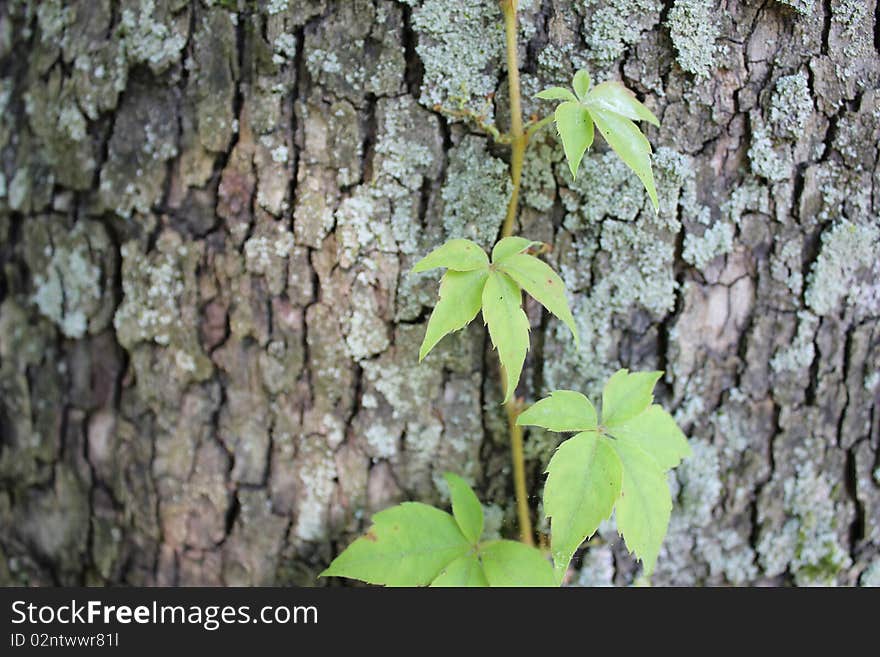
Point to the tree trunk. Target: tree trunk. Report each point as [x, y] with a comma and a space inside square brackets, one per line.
[208, 331]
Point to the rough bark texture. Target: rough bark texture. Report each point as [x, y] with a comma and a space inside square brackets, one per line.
[208, 335]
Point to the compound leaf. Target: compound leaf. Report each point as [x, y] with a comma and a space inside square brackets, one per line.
[408, 545]
[538, 279]
[508, 326]
[645, 503]
[510, 563]
[461, 295]
[576, 131]
[656, 433]
[630, 144]
[626, 395]
[556, 93]
[581, 84]
[508, 246]
[456, 254]
[465, 507]
[464, 571]
[563, 410]
[614, 97]
[583, 483]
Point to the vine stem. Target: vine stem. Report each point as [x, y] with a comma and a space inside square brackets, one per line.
[518, 143]
[518, 138]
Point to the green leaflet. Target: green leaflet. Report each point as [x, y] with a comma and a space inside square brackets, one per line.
[630, 144]
[656, 433]
[563, 410]
[510, 563]
[645, 504]
[556, 93]
[613, 108]
[461, 296]
[538, 279]
[614, 97]
[508, 246]
[407, 545]
[465, 508]
[508, 326]
[626, 395]
[456, 254]
[575, 129]
[581, 84]
[464, 571]
[583, 483]
[463, 292]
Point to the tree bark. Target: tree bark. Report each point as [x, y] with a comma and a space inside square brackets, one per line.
[208, 331]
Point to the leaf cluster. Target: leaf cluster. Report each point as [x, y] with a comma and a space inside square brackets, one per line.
[617, 463]
[414, 544]
[473, 283]
[612, 108]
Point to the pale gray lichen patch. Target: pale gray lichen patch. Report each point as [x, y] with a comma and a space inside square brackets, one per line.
[699, 482]
[150, 41]
[807, 544]
[383, 213]
[799, 354]
[768, 159]
[604, 187]
[791, 106]
[694, 28]
[729, 555]
[785, 266]
[847, 250]
[475, 193]
[284, 48]
[610, 26]
[143, 140]
[631, 252]
[266, 254]
[335, 50]
[461, 45]
[715, 241]
[597, 567]
[159, 297]
[69, 290]
[317, 474]
[803, 7]
[871, 575]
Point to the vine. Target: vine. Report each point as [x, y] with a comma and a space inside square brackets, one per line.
[615, 462]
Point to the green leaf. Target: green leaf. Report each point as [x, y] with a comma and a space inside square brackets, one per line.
[614, 97]
[461, 295]
[576, 131]
[563, 410]
[510, 563]
[630, 144]
[457, 254]
[508, 246]
[626, 395]
[408, 545]
[464, 571]
[465, 507]
[645, 503]
[583, 482]
[538, 279]
[581, 83]
[556, 93]
[508, 326]
[656, 433]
